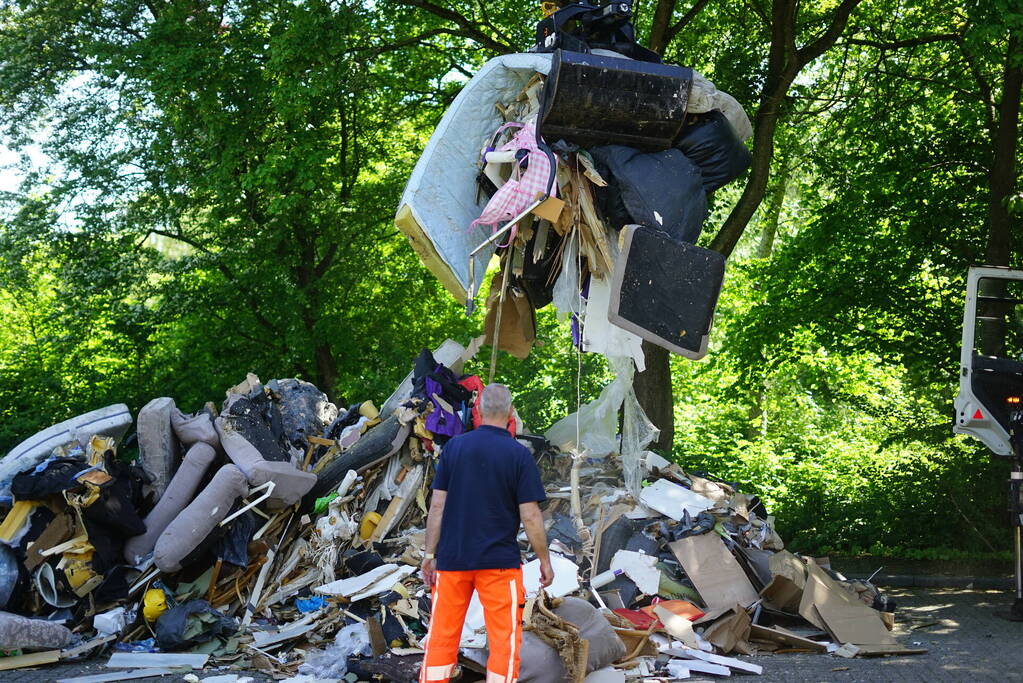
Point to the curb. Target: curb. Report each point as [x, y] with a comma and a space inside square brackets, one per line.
[925, 581]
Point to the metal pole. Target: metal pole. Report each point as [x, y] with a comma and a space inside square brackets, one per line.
[471, 292]
[1019, 567]
[497, 318]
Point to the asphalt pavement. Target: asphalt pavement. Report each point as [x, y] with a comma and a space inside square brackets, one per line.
[958, 627]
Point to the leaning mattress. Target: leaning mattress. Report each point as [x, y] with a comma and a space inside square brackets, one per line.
[439, 201]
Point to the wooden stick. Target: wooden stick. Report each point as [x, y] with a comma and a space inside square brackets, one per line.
[213, 580]
[497, 319]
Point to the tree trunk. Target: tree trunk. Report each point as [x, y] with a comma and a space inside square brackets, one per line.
[784, 63]
[653, 389]
[660, 25]
[1002, 184]
[773, 213]
[1002, 176]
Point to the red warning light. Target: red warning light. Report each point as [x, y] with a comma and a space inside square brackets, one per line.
[978, 415]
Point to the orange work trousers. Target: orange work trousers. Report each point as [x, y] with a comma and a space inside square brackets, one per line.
[502, 596]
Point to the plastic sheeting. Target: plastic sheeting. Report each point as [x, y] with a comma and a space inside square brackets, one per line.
[603, 337]
[332, 662]
[596, 423]
[638, 432]
[566, 287]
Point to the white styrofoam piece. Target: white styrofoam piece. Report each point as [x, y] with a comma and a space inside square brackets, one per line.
[356, 584]
[702, 667]
[639, 567]
[384, 584]
[607, 675]
[129, 660]
[566, 577]
[720, 660]
[671, 500]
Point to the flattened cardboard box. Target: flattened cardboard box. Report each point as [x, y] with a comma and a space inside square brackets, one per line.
[718, 578]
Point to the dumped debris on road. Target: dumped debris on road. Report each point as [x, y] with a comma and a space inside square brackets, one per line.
[288, 534]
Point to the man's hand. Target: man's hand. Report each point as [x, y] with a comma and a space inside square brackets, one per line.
[546, 572]
[429, 569]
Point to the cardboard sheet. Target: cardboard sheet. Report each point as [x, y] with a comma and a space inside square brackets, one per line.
[783, 594]
[714, 572]
[846, 618]
[730, 633]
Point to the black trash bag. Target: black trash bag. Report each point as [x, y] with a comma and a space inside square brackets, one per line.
[191, 623]
[710, 142]
[304, 410]
[58, 476]
[233, 547]
[424, 365]
[688, 526]
[259, 420]
[662, 190]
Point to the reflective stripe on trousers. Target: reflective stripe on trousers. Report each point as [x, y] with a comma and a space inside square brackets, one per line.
[502, 595]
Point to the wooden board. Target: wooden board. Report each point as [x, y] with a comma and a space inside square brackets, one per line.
[780, 637]
[33, 659]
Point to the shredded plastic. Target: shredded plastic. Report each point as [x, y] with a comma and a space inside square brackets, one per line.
[332, 662]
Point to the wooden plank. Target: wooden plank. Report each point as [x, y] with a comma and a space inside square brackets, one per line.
[32, 659]
[720, 660]
[129, 660]
[778, 637]
[85, 647]
[399, 504]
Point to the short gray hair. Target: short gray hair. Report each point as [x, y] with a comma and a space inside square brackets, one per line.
[496, 401]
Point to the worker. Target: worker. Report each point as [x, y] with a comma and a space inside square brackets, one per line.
[485, 486]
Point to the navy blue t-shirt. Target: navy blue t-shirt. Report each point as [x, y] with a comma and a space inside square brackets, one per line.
[486, 474]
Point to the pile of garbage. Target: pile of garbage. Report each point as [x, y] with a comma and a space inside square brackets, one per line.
[281, 533]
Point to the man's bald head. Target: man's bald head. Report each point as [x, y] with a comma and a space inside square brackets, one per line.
[496, 404]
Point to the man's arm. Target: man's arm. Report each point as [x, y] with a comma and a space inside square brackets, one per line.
[532, 520]
[433, 520]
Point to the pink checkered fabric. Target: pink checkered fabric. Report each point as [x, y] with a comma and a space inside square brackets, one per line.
[520, 190]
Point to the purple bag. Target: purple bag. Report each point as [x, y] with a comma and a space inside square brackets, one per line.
[442, 421]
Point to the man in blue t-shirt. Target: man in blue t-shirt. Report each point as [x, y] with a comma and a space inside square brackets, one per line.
[486, 484]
